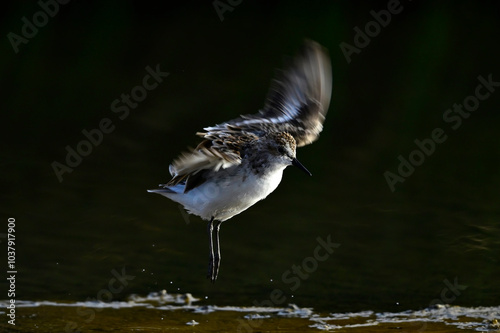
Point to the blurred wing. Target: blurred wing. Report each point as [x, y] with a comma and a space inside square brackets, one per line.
[220, 149]
[297, 101]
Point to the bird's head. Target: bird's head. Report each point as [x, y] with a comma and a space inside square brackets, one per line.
[283, 149]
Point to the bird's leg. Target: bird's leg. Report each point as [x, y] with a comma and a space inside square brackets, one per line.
[211, 249]
[216, 251]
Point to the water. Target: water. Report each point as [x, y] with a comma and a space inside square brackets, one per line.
[161, 311]
[95, 251]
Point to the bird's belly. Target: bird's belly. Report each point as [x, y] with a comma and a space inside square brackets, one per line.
[228, 196]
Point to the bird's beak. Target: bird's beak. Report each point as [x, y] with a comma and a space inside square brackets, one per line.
[295, 162]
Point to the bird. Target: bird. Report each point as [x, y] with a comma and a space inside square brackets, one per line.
[241, 161]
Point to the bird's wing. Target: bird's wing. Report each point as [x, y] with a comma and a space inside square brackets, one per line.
[220, 149]
[297, 101]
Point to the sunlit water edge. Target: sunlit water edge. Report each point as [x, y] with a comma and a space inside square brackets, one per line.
[482, 319]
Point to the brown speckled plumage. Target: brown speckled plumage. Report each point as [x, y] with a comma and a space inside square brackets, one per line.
[294, 111]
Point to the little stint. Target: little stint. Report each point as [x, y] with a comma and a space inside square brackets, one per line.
[240, 162]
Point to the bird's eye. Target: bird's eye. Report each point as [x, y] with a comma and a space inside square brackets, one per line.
[281, 150]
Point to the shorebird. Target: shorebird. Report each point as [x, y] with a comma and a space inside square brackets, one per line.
[240, 162]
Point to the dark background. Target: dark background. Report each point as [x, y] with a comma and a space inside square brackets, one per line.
[396, 248]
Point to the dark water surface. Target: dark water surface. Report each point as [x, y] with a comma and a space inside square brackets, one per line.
[99, 236]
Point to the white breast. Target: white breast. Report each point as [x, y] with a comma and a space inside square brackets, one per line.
[226, 197]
